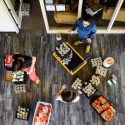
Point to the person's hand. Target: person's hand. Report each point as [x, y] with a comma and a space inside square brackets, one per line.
[63, 86]
[89, 40]
[61, 90]
[71, 31]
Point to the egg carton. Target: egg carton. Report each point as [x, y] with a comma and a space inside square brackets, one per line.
[89, 90]
[95, 80]
[63, 49]
[77, 84]
[66, 60]
[25, 9]
[20, 88]
[100, 70]
[96, 62]
[22, 113]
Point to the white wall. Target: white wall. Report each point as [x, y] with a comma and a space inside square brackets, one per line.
[6, 22]
[18, 19]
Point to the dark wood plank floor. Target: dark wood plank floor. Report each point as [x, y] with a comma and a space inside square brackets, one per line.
[52, 76]
[35, 20]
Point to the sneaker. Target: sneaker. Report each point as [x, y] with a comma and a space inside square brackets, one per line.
[87, 49]
[78, 42]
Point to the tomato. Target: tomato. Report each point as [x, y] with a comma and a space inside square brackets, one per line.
[35, 119]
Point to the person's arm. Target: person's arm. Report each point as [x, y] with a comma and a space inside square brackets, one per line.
[33, 63]
[60, 91]
[93, 32]
[74, 26]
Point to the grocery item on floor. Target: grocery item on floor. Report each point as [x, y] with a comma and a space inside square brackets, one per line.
[88, 89]
[42, 113]
[95, 80]
[100, 70]
[58, 37]
[96, 62]
[8, 76]
[108, 62]
[8, 60]
[103, 107]
[18, 76]
[113, 80]
[20, 88]
[25, 9]
[22, 113]
[77, 85]
[109, 83]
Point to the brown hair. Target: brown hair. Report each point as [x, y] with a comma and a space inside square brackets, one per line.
[17, 64]
[68, 95]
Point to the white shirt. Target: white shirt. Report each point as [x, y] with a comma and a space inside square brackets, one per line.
[75, 100]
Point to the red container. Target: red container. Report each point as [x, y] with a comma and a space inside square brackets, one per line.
[8, 60]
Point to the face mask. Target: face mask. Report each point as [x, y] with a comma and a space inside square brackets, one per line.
[85, 25]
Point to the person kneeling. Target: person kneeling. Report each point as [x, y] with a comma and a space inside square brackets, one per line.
[67, 96]
[27, 64]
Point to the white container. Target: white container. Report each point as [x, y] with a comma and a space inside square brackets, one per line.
[58, 37]
[108, 62]
[46, 104]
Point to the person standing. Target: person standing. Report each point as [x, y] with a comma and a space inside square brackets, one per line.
[86, 30]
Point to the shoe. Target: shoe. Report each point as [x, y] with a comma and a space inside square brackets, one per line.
[78, 42]
[87, 49]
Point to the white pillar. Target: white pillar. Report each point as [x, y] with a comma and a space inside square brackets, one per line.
[119, 4]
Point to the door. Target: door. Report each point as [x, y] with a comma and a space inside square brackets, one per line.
[7, 21]
[11, 6]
